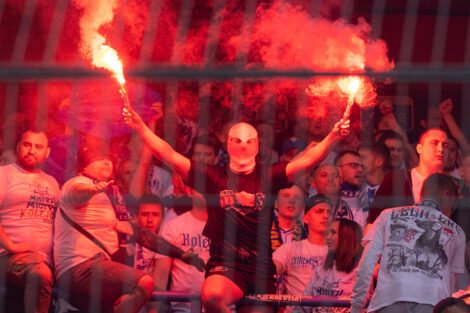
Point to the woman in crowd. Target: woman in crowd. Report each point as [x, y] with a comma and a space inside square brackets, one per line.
[338, 275]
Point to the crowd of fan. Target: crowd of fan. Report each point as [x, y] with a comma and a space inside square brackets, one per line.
[380, 221]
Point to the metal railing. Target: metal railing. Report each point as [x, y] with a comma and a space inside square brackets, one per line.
[255, 299]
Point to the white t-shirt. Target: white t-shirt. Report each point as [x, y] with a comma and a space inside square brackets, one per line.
[299, 260]
[159, 180]
[185, 232]
[28, 204]
[421, 251]
[97, 216]
[144, 259]
[417, 184]
[328, 283]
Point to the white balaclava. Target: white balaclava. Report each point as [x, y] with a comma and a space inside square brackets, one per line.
[242, 146]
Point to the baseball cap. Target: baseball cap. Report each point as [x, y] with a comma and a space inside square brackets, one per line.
[316, 199]
[90, 152]
[293, 143]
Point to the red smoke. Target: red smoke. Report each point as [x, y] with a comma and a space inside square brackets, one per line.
[96, 14]
[135, 17]
[282, 37]
[286, 37]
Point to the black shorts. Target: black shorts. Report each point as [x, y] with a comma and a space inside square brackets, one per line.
[250, 278]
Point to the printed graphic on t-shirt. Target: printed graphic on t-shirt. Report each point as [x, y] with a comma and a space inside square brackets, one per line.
[416, 241]
[329, 288]
[42, 204]
[301, 262]
[144, 259]
[242, 202]
[194, 241]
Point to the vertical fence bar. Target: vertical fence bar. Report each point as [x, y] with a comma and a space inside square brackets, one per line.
[377, 18]
[407, 43]
[55, 30]
[437, 53]
[150, 32]
[176, 59]
[22, 36]
[242, 55]
[11, 108]
[465, 107]
[347, 8]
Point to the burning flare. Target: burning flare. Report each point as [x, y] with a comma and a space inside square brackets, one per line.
[93, 47]
[106, 57]
[354, 85]
[349, 86]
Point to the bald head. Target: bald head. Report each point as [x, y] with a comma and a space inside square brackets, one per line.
[243, 131]
[242, 146]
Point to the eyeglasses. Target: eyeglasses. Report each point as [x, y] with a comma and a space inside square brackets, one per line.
[353, 165]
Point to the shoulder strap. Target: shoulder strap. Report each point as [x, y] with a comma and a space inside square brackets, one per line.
[82, 230]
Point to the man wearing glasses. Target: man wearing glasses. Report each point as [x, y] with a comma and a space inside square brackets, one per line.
[352, 184]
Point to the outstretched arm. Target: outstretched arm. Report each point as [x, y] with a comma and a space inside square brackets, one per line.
[156, 243]
[160, 148]
[80, 193]
[315, 154]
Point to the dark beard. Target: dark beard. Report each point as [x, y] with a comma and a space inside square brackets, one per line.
[29, 166]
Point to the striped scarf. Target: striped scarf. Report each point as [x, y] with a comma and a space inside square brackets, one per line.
[299, 233]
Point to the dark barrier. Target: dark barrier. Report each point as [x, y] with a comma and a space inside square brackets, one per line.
[281, 300]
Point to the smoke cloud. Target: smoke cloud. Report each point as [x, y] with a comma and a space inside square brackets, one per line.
[287, 37]
[283, 37]
[96, 15]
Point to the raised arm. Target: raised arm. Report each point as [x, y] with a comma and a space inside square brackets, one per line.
[139, 179]
[315, 154]
[390, 119]
[160, 148]
[445, 108]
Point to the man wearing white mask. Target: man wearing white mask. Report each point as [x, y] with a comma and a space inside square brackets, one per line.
[240, 206]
